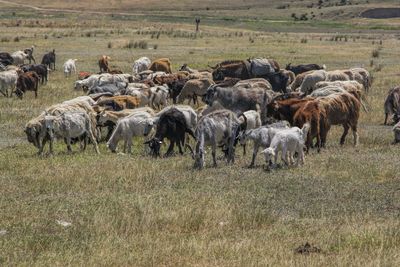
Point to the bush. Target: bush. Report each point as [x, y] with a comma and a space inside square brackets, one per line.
[109, 45]
[5, 39]
[16, 39]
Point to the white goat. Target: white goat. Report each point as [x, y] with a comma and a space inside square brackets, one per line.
[218, 128]
[140, 65]
[8, 80]
[262, 137]
[289, 141]
[70, 125]
[132, 125]
[69, 67]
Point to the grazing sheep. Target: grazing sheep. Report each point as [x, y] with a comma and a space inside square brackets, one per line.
[79, 99]
[392, 103]
[253, 83]
[69, 67]
[219, 128]
[128, 127]
[70, 125]
[289, 141]
[40, 69]
[194, 88]
[310, 80]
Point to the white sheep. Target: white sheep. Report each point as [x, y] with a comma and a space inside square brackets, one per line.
[19, 57]
[288, 141]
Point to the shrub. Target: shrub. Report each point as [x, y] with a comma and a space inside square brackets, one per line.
[375, 53]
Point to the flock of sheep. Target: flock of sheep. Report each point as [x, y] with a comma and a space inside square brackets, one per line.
[282, 112]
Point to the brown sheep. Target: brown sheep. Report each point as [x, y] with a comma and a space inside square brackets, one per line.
[194, 88]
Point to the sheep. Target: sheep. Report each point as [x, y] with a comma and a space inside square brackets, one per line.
[140, 65]
[69, 67]
[252, 120]
[126, 128]
[194, 88]
[253, 83]
[119, 102]
[36, 132]
[288, 141]
[392, 103]
[262, 137]
[310, 80]
[70, 125]
[159, 96]
[220, 127]
[87, 83]
[28, 81]
[8, 80]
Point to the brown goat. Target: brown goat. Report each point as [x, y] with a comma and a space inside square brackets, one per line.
[28, 81]
[161, 64]
[118, 103]
[103, 64]
[341, 109]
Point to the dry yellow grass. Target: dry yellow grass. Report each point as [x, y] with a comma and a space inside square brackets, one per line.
[134, 210]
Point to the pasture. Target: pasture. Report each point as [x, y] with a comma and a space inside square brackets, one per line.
[138, 211]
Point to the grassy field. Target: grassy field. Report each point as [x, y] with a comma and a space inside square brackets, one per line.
[132, 210]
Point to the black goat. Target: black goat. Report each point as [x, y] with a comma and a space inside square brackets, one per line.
[303, 68]
[171, 125]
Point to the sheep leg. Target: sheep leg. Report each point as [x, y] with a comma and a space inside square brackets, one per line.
[284, 156]
[346, 130]
[244, 149]
[386, 117]
[170, 149]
